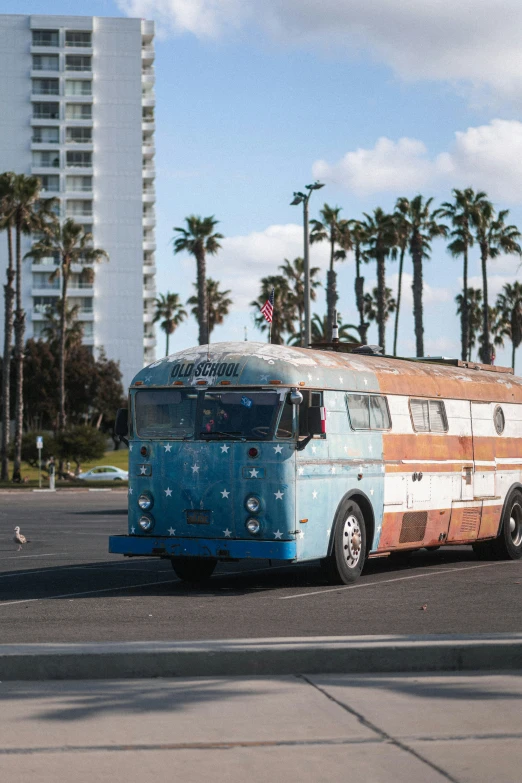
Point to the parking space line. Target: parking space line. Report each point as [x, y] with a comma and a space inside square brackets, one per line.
[85, 592]
[45, 554]
[397, 579]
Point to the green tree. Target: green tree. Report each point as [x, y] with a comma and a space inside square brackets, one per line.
[80, 443]
[294, 272]
[474, 319]
[284, 314]
[509, 308]
[52, 327]
[493, 237]
[424, 228]
[359, 238]
[28, 215]
[218, 304]
[199, 239]
[371, 302]
[460, 211]
[403, 228]
[381, 241]
[29, 450]
[73, 245]
[337, 233]
[320, 331]
[7, 181]
[169, 311]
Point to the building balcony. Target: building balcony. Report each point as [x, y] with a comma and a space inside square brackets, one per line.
[78, 49]
[148, 127]
[45, 49]
[149, 342]
[149, 244]
[148, 77]
[147, 30]
[44, 145]
[149, 172]
[148, 317]
[83, 98]
[81, 289]
[86, 314]
[45, 73]
[37, 120]
[147, 55]
[149, 292]
[46, 289]
[148, 221]
[148, 150]
[80, 217]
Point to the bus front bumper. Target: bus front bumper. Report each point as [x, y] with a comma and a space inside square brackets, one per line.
[220, 548]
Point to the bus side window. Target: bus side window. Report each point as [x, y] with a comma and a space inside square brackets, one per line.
[368, 412]
[311, 399]
[285, 428]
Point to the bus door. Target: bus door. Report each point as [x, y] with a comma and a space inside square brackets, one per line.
[466, 508]
[485, 439]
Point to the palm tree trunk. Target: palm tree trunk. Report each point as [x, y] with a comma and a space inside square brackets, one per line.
[167, 343]
[331, 294]
[9, 295]
[464, 315]
[399, 291]
[381, 294]
[486, 348]
[513, 349]
[63, 310]
[416, 257]
[19, 329]
[359, 296]
[202, 298]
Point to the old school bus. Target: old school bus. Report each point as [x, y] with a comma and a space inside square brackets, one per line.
[249, 450]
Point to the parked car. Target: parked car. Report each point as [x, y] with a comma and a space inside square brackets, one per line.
[105, 473]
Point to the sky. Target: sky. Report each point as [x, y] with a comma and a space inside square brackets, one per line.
[376, 98]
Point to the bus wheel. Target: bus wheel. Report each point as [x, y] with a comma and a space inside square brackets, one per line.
[508, 545]
[346, 562]
[193, 569]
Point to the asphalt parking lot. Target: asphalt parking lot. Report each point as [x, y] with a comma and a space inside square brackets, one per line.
[65, 587]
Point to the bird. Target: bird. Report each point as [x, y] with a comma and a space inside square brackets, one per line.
[19, 538]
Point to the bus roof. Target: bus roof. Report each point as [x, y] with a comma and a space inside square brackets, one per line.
[262, 364]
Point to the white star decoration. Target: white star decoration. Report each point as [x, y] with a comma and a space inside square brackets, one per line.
[253, 473]
[365, 382]
[227, 533]
[371, 492]
[314, 449]
[195, 468]
[328, 532]
[309, 376]
[168, 447]
[341, 379]
[225, 493]
[300, 471]
[332, 469]
[130, 490]
[171, 531]
[278, 449]
[143, 470]
[279, 495]
[278, 534]
[301, 535]
[224, 448]
[168, 492]
[370, 448]
[133, 530]
[130, 446]
[148, 379]
[314, 494]
[263, 378]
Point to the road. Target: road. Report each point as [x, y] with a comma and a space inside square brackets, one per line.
[65, 587]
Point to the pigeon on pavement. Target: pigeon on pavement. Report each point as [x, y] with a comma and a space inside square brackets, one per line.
[19, 538]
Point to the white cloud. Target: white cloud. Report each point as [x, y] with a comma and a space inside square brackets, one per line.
[495, 284]
[488, 157]
[475, 41]
[430, 294]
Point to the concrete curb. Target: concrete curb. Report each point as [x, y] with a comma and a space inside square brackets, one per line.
[272, 657]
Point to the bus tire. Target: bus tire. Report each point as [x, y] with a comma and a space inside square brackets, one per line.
[508, 544]
[345, 563]
[193, 569]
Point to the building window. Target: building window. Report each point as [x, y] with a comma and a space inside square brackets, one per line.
[50, 183]
[78, 184]
[79, 208]
[84, 303]
[79, 160]
[46, 159]
[46, 111]
[42, 280]
[46, 38]
[428, 416]
[78, 38]
[78, 135]
[368, 412]
[88, 329]
[78, 111]
[78, 87]
[41, 303]
[46, 87]
[43, 135]
[46, 62]
[77, 62]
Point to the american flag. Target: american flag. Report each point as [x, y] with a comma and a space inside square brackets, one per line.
[268, 308]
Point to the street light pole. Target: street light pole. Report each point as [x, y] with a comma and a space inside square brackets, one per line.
[304, 198]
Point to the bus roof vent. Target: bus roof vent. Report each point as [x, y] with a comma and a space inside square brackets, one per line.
[368, 350]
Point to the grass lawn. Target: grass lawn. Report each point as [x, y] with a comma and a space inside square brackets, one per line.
[118, 459]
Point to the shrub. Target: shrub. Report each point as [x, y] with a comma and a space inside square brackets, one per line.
[80, 443]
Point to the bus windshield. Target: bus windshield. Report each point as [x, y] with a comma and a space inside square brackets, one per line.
[206, 414]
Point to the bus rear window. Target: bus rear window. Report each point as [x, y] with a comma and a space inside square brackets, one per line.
[165, 413]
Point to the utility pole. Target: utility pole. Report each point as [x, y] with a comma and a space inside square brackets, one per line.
[304, 198]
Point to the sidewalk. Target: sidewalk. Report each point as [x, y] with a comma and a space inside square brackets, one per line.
[338, 727]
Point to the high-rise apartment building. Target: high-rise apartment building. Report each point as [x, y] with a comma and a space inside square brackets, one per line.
[77, 110]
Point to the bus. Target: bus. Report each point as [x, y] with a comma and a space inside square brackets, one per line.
[250, 450]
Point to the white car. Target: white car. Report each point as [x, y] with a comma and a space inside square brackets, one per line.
[105, 473]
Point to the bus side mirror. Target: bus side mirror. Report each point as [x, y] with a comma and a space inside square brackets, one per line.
[121, 425]
[316, 421]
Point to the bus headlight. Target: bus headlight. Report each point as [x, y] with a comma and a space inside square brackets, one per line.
[146, 523]
[253, 526]
[145, 501]
[253, 504]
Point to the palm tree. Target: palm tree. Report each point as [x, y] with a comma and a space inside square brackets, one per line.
[403, 227]
[170, 312]
[294, 272]
[284, 314]
[509, 308]
[371, 302]
[359, 237]
[218, 303]
[320, 331]
[337, 233]
[51, 331]
[6, 224]
[198, 239]
[381, 240]
[474, 320]
[460, 212]
[73, 246]
[28, 215]
[493, 237]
